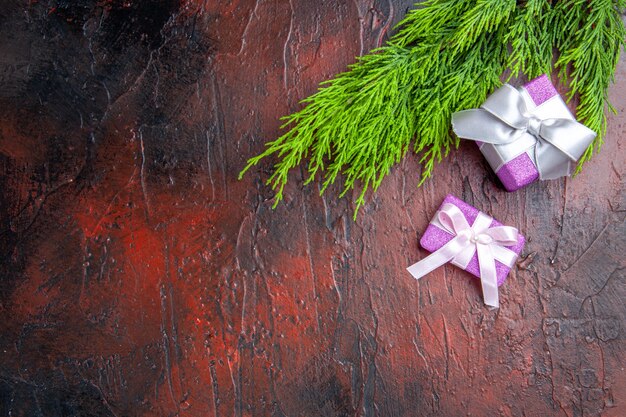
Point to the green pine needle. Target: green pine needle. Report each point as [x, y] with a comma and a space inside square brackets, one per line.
[447, 55]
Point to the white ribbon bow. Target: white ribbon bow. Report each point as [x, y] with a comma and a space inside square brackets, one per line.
[504, 120]
[488, 243]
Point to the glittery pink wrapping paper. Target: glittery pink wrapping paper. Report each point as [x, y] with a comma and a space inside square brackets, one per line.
[521, 171]
[434, 238]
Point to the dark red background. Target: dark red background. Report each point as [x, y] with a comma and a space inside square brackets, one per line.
[139, 277]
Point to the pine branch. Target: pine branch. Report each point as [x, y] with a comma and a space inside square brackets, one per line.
[484, 18]
[429, 20]
[531, 40]
[592, 51]
[362, 122]
[447, 55]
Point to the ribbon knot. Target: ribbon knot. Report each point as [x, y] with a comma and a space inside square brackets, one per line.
[489, 243]
[482, 239]
[471, 236]
[534, 126]
[504, 119]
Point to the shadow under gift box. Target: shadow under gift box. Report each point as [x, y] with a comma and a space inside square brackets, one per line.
[540, 96]
[434, 238]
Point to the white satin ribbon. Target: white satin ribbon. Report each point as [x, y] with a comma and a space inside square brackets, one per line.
[505, 121]
[488, 242]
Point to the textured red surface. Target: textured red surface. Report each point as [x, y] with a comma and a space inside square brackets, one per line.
[139, 277]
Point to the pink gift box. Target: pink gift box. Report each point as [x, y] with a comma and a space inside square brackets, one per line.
[435, 237]
[521, 171]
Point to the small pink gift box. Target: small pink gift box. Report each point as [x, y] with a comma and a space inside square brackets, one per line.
[435, 237]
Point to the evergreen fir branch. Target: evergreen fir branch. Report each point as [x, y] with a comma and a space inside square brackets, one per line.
[531, 40]
[482, 19]
[469, 78]
[447, 55]
[593, 49]
[362, 122]
[429, 19]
